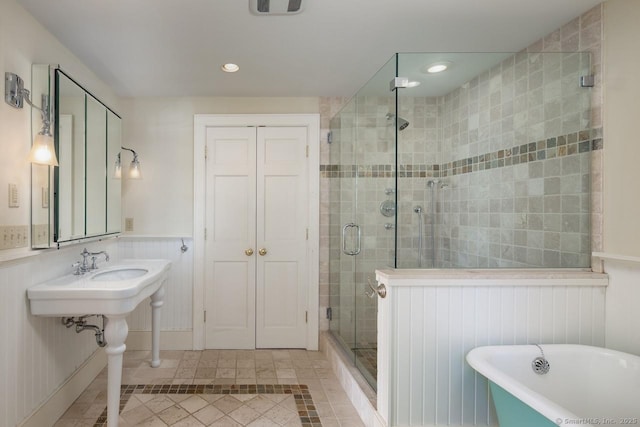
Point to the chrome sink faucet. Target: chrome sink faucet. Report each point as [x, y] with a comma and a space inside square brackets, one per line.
[83, 267]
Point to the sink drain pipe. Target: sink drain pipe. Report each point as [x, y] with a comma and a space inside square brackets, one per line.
[81, 325]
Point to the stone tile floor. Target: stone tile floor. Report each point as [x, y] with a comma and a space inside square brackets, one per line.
[221, 388]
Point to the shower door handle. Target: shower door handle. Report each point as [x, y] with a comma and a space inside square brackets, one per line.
[355, 251]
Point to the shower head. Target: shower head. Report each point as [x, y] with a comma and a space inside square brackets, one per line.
[401, 123]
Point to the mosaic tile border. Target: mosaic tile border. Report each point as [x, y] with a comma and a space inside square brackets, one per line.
[304, 402]
[560, 146]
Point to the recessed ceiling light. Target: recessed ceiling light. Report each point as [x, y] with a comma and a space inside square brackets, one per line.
[437, 67]
[230, 68]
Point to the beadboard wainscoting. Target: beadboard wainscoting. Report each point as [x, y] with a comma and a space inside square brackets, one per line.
[623, 298]
[176, 315]
[428, 322]
[38, 355]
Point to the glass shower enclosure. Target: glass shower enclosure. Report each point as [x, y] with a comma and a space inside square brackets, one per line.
[483, 165]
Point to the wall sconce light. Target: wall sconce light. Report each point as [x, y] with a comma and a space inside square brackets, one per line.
[42, 150]
[134, 167]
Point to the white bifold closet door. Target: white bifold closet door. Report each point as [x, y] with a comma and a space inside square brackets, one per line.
[256, 231]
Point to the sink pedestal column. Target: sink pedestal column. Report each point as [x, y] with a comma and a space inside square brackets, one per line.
[157, 299]
[115, 332]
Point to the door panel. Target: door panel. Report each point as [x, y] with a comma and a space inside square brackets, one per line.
[230, 274]
[281, 280]
[231, 213]
[256, 199]
[282, 222]
[229, 303]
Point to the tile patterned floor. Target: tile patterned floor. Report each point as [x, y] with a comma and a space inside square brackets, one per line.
[221, 388]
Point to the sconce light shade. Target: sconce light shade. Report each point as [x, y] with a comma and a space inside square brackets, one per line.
[42, 151]
[117, 170]
[134, 169]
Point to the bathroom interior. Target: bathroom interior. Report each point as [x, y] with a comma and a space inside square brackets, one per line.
[488, 204]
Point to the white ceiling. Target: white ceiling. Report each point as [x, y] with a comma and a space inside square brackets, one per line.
[176, 47]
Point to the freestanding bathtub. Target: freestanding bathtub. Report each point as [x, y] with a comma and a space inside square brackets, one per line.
[585, 386]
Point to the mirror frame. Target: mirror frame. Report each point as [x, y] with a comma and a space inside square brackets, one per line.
[106, 190]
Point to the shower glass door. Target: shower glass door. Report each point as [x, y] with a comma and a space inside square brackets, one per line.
[341, 215]
[362, 214]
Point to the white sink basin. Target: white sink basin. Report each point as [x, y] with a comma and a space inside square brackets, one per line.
[114, 290]
[119, 274]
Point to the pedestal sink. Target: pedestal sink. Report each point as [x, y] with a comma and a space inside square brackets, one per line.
[113, 292]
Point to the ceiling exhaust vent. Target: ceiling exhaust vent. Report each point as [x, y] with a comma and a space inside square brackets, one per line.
[275, 7]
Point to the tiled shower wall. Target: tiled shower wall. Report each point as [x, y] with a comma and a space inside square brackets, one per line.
[522, 246]
[516, 143]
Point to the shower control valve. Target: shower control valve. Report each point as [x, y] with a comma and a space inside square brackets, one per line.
[388, 208]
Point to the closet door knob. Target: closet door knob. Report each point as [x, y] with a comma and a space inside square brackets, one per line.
[262, 252]
[248, 252]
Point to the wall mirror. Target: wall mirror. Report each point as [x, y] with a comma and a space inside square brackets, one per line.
[86, 194]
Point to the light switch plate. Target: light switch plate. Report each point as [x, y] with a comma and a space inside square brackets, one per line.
[128, 224]
[13, 196]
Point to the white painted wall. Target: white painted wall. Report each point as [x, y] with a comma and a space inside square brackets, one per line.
[623, 302]
[621, 113]
[161, 131]
[621, 173]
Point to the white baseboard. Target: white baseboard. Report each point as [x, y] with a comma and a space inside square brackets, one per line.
[169, 340]
[53, 408]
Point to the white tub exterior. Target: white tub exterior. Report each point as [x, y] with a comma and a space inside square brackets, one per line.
[430, 319]
[585, 385]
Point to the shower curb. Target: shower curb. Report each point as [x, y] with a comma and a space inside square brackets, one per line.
[360, 393]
